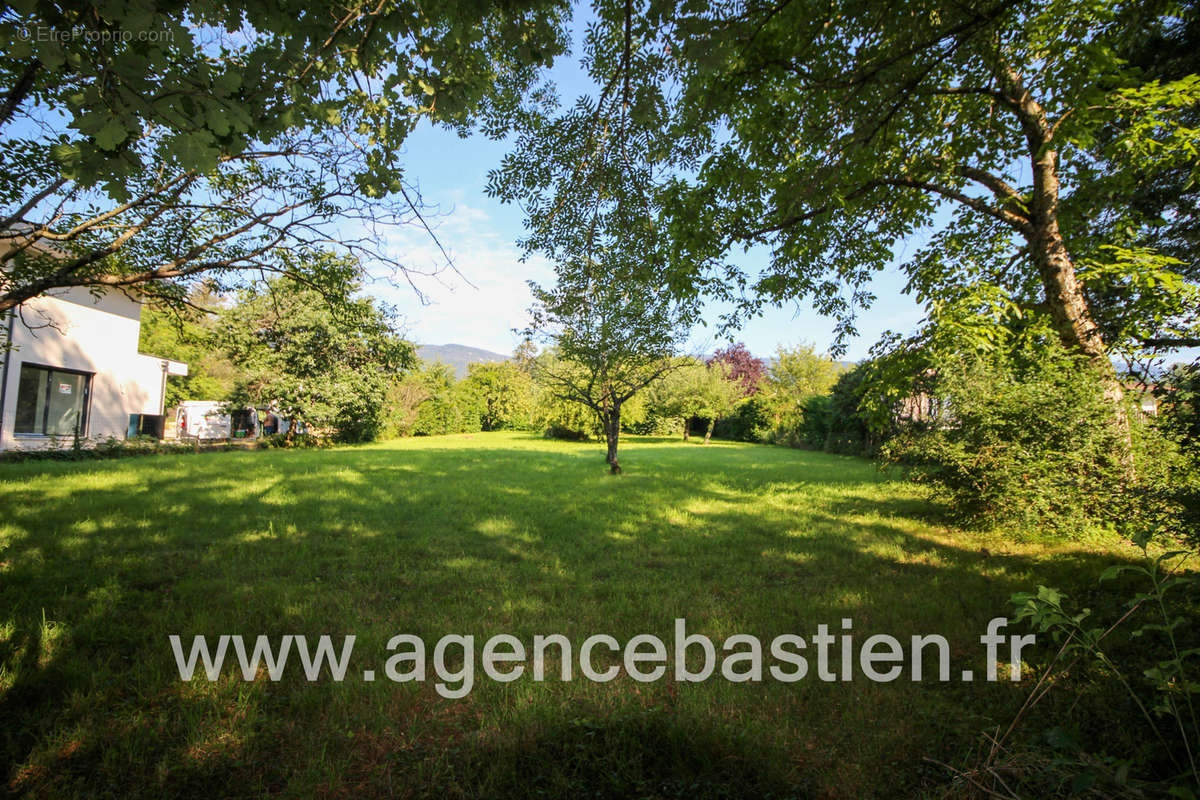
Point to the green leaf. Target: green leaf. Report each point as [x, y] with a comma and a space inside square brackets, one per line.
[65, 153]
[196, 150]
[111, 135]
[1117, 569]
[228, 82]
[218, 120]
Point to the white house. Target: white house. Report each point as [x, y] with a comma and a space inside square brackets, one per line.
[74, 367]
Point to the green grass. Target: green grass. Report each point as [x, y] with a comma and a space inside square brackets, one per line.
[483, 534]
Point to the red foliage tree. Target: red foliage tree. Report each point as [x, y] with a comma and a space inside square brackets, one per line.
[744, 367]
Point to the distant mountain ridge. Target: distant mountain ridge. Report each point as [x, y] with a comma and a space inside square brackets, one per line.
[458, 356]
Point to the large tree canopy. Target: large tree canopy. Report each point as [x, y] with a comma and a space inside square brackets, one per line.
[1161, 211]
[838, 130]
[831, 134]
[154, 141]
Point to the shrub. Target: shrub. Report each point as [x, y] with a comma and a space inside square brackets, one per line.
[106, 448]
[816, 421]
[836, 422]
[1029, 441]
[655, 425]
[442, 415]
[1179, 394]
[750, 421]
[503, 393]
[431, 402]
[566, 434]
[552, 412]
[301, 441]
[848, 425]
[1118, 687]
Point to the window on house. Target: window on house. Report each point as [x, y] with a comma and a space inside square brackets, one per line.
[52, 402]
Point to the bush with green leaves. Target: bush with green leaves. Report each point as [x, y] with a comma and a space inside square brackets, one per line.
[816, 421]
[432, 402]
[566, 434]
[553, 413]
[1179, 395]
[852, 426]
[454, 412]
[750, 421]
[1113, 709]
[652, 423]
[302, 441]
[1027, 440]
[111, 447]
[504, 394]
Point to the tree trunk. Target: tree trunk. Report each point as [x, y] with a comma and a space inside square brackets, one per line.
[612, 433]
[708, 431]
[1064, 296]
[1078, 330]
[687, 433]
[15, 97]
[1068, 307]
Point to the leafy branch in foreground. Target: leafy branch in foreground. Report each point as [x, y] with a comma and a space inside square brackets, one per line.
[1163, 695]
[200, 139]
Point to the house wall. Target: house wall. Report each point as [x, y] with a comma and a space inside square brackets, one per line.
[72, 329]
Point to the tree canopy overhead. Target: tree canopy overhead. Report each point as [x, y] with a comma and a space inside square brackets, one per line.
[836, 135]
[157, 141]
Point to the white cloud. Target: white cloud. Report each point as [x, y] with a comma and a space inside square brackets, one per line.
[482, 306]
[481, 303]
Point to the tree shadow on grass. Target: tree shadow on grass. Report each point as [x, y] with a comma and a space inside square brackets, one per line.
[280, 543]
[644, 754]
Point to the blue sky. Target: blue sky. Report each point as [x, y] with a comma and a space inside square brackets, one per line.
[481, 307]
[480, 233]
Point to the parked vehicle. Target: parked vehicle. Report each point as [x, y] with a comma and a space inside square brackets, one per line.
[208, 419]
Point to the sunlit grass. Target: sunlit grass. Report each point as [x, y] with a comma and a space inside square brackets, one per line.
[485, 534]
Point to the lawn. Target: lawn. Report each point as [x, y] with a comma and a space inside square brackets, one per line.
[101, 562]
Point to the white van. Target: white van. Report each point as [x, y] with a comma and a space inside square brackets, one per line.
[205, 419]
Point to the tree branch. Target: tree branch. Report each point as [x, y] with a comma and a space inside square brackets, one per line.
[1014, 220]
[1171, 341]
[17, 94]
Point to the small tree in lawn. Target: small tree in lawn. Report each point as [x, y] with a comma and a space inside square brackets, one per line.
[718, 392]
[798, 374]
[587, 181]
[677, 395]
[613, 337]
[695, 389]
[504, 392]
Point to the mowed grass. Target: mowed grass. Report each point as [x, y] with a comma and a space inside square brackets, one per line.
[485, 534]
